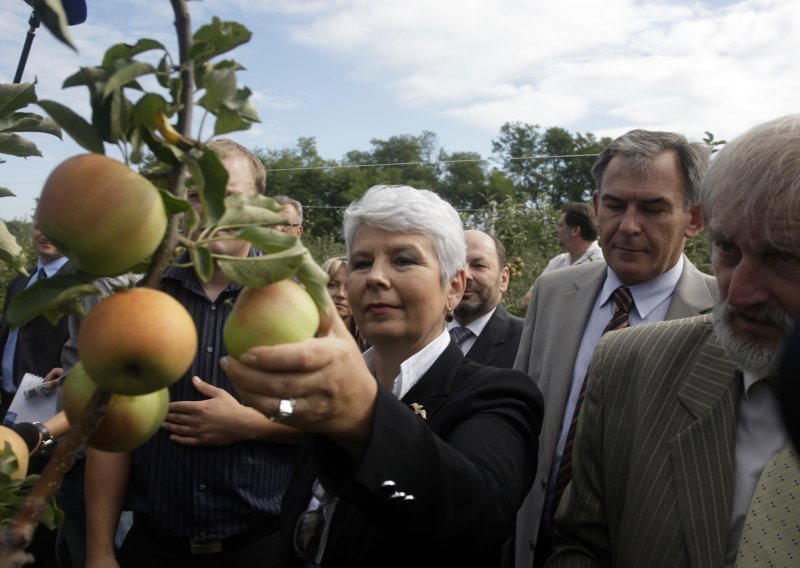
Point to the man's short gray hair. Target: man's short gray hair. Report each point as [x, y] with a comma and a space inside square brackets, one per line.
[404, 209]
[286, 200]
[639, 147]
[757, 176]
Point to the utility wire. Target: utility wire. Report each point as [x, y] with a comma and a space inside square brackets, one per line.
[431, 163]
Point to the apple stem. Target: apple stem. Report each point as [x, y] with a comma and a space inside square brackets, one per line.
[177, 175]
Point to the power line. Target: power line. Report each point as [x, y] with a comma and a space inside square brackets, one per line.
[431, 163]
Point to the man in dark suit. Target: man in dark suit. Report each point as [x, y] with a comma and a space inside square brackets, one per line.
[682, 459]
[36, 346]
[482, 328]
[647, 207]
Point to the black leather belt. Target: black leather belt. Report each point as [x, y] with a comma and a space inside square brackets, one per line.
[193, 546]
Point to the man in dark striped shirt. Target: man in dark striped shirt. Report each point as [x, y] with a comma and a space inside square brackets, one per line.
[206, 489]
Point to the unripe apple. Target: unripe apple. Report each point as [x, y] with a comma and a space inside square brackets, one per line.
[137, 341]
[281, 312]
[20, 449]
[101, 214]
[130, 420]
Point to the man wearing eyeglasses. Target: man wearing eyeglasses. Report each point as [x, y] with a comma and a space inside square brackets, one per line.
[293, 213]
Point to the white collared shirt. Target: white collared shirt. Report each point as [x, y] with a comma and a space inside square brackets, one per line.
[475, 326]
[651, 301]
[760, 434]
[594, 252]
[412, 369]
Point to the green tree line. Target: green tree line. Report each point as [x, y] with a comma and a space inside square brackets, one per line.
[516, 194]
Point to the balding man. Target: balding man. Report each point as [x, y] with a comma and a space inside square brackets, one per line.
[482, 328]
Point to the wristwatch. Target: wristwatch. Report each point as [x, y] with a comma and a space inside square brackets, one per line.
[47, 438]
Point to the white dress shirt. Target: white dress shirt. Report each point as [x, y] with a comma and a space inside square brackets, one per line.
[594, 252]
[651, 302]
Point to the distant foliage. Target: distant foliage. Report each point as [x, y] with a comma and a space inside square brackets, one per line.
[21, 229]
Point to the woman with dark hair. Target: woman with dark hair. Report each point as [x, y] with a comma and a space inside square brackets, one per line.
[417, 457]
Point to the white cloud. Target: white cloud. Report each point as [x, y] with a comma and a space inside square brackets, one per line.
[602, 64]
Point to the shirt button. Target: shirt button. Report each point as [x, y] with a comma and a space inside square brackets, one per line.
[202, 487]
[210, 349]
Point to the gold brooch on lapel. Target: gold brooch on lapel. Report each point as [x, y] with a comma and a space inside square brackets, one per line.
[419, 410]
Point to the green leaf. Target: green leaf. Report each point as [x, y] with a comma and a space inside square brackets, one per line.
[203, 263]
[16, 145]
[147, 107]
[261, 270]
[5, 192]
[229, 121]
[174, 205]
[241, 210]
[220, 85]
[76, 126]
[125, 75]
[8, 460]
[92, 77]
[210, 178]
[15, 96]
[267, 240]
[52, 298]
[164, 70]
[10, 251]
[315, 281]
[29, 122]
[217, 38]
[201, 70]
[165, 153]
[127, 51]
[51, 14]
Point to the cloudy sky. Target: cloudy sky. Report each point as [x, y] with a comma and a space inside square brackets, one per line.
[347, 71]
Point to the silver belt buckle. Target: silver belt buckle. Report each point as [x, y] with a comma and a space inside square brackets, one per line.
[205, 547]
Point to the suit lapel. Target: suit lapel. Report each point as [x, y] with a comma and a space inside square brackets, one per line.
[429, 395]
[704, 450]
[692, 296]
[485, 347]
[573, 315]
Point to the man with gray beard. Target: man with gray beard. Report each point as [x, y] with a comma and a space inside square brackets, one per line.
[681, 455]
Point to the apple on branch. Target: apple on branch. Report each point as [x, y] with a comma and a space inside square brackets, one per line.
[137, 341]
[101, 214]
[281, 312]
[130, 420]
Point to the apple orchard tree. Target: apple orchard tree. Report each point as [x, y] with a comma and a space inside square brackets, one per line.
[142, 123]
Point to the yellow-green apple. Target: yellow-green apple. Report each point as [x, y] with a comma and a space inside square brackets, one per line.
[20, 449]
[137, 341]
[281, 312]
[101, 214]
[130, 420]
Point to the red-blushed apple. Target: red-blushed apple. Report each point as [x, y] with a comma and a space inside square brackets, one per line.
[137, 341]
[130, 420]
[20, 449]
[101, 214]
[281, 312]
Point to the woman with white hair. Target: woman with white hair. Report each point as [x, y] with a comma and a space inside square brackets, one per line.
[417, 456]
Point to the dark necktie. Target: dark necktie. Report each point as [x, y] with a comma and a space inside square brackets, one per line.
[460, 334]
[623, 302]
